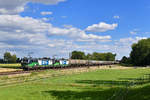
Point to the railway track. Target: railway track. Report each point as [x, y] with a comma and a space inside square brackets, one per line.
[30, 71]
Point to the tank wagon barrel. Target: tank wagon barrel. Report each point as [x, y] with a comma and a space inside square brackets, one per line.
[89, 62]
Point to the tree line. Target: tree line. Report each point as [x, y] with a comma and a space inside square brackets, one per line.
[140, 54]
[94, 56]
[9, 58]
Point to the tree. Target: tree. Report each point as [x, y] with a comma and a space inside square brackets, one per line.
[125, 60]
[103, 56]
[13, 59]
[1, 61]
[8, 58]
[94, 56]
[109, 56]
[140, 54]
[88, 56]
[78, 55]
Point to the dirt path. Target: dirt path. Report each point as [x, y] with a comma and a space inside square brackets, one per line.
[8, 70]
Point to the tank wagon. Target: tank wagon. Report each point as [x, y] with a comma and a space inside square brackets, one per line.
[47, 63]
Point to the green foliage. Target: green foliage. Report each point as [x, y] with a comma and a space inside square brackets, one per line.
[95, 56]
[13, 59]
[78, 55]
[88, 56]
[8, 58]
[125, 60]
[140, 54]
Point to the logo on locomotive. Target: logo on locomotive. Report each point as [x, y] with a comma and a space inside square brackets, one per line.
[45, 62]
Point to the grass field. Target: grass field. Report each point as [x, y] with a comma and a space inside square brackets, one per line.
[104, 84]
[17, 65]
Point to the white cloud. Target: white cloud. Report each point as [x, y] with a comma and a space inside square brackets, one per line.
[18, 24]
[140, 38]
[101, 27]
[130, 40]
[29, 33]
[47, 1]
[26, 31]
[126, 40]
[17, 6]
[63, 16]
[146, 32]
[14, 23]
[116, 17]
[46, 13]
[67, 26]
[45, 19]
[134, 32]
[123, 46]
[7, 7]
[25, 34]
[76, 33]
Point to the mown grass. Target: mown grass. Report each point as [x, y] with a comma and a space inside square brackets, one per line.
[94, 85]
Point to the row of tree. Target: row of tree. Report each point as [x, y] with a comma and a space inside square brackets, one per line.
[94, 56]
[140, 54]
[9, 58]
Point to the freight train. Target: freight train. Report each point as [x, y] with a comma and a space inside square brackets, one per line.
[47, 63]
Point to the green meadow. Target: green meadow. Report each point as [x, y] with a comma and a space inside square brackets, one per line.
[100, 84]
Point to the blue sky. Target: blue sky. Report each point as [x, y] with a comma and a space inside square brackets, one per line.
[56, 27]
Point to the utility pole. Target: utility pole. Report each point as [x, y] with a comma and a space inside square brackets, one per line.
[70, 54]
